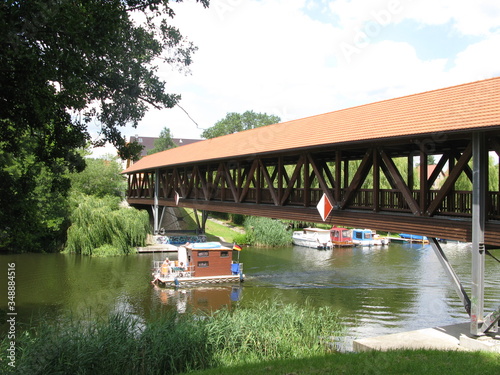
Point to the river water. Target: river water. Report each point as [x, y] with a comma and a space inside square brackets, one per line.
[378, 291]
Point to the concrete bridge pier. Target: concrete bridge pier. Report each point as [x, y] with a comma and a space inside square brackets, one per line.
[480, 324]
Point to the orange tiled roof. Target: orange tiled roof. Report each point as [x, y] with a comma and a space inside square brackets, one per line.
[469, 106]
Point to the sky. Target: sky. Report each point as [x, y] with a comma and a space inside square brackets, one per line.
[300, 58]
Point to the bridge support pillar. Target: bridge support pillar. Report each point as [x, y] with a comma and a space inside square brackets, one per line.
[156, 219]
[479, 188]
[201, 224]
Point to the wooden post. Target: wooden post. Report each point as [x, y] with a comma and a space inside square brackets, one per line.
[424, 186]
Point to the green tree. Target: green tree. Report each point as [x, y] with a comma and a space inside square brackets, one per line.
[236, 122]
[33, 200]
[90, 57]
[464, 183]
[66, 64]
[164, 142]
[101, 177]
[100, 227]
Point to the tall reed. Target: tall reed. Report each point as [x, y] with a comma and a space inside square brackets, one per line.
[99, 226]
[272, 330]
[119, 345]
[263, 231]
[173, 343]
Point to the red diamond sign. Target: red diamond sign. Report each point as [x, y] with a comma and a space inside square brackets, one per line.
[324, 207]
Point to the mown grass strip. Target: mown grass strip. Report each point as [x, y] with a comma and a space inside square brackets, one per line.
[418, 362]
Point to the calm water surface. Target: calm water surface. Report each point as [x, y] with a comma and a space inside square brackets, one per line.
[377, 290]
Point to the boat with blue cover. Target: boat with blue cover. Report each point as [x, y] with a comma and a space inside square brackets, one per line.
[413, 238]
[367, 237]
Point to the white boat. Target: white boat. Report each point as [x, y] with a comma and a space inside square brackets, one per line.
[366, 237]
[198, 264]
[313, 237]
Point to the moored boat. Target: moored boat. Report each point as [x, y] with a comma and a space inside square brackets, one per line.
[313, 237]
[198, 264]
[414, 238]
[367, 237]
[341, 237]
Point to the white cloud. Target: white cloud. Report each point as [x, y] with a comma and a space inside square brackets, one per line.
[478, 61]
[286, 57]
[468, 17]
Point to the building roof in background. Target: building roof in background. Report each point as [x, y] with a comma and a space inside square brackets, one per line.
[148, 142]
[470, 106]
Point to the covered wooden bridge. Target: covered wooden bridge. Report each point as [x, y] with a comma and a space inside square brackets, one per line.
[371, 161]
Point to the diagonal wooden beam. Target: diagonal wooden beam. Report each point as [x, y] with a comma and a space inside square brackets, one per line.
[293, 179]
[179, 183]
[204, 185]
[132, 185]
[169, 183]
[249, 178]
[467, 168]
[439, 169]
[358, 179]
[450, 181]
[269, 181]
[400, 184]
[196, 181]
[218, 176]
[321, 180]
[189, 178]
[230, 182]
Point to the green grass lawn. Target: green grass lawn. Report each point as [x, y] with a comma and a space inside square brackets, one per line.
[375, 363]
[214, 231]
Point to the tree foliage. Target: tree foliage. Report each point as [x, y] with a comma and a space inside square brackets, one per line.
[89, 57]
[66, 64]
[236, 122]
[100, 226]
[33, 200]
[164, 142]
[101, 177]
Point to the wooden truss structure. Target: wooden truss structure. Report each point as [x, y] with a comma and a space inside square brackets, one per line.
[386, 186]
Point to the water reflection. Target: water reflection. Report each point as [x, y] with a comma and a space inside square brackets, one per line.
[207, 298]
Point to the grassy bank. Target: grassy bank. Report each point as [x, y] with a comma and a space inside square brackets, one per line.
[214, 230]
[418, 362]
[172, 343]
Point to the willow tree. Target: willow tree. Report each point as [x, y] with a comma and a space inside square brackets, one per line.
[64, 65]
[101, 227]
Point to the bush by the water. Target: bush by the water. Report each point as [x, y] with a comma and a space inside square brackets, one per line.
[100, 227]
[173, 343]
[272, 330]
[262, 231]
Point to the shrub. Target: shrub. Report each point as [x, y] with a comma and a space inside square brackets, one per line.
[272, 330]
[174, 343]
[99, 223]
[262, 231]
